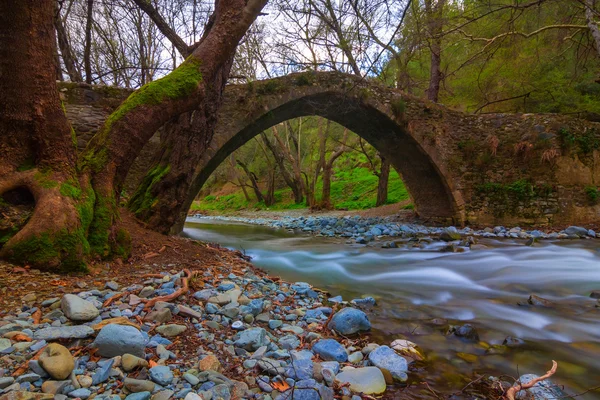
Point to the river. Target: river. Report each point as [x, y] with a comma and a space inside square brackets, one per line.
[419, 289]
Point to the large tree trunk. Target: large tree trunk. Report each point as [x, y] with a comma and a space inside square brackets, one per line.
[37, 151]
[382, 183]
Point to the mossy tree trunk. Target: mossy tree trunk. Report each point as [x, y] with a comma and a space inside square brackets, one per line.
[76, 198]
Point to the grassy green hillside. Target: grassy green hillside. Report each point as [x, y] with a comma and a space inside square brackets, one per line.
[353, 189]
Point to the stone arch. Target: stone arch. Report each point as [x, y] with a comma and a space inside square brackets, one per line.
[427, 182]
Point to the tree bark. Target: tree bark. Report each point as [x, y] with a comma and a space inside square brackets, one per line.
[253, 180]
[37, 153]
[382, 183]
[328, 172]
[76, 199]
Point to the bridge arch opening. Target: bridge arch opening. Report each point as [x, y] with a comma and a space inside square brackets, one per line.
[429, 189]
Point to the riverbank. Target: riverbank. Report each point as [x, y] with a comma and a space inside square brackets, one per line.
[184, 319]
[392, 231]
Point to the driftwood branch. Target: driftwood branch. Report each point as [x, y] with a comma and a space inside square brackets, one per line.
[510, 393]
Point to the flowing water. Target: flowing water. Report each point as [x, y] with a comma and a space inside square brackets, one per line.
[417, 289]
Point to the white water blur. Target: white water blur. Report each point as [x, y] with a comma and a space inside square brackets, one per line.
[482, 287]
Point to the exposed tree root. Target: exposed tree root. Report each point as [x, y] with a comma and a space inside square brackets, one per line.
[181, 291]
[510, 393]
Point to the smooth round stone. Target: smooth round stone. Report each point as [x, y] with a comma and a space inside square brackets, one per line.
[57, 361]
[355, 357]
[384, 357]
[77, 309]
[368, 380]
[115, 340]
[349, 321]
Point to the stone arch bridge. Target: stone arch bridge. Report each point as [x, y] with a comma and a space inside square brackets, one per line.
[459, 168]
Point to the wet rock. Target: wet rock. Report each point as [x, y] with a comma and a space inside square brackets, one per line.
[364, 302]
[576, 231]
[385, 358]
[542, 390]
[467, 332]
[449, 234]
[511, 341]
[330, 350]
[539, 301]
[595, 294]
[407, 349]
[115, 340]
[368, 380]
[57, 361]
[77, 309]
[349, 321]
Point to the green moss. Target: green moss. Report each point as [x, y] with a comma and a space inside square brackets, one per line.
[104, 211]
[70, 248]
[398, 107]
[585, 142]
[269, 87]
[180, 83]
[509, 197]
[43, 178]
[122, 245]
[73, 137]
[143, 199]
[85, 208]
[593, 194]
[305, 79]
[27, 165]
[70, 189]
[96, 159]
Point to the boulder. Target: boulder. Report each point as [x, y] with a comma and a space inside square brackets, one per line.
[77, 309]
[349, 321]
[116, 340]
[57, 361]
